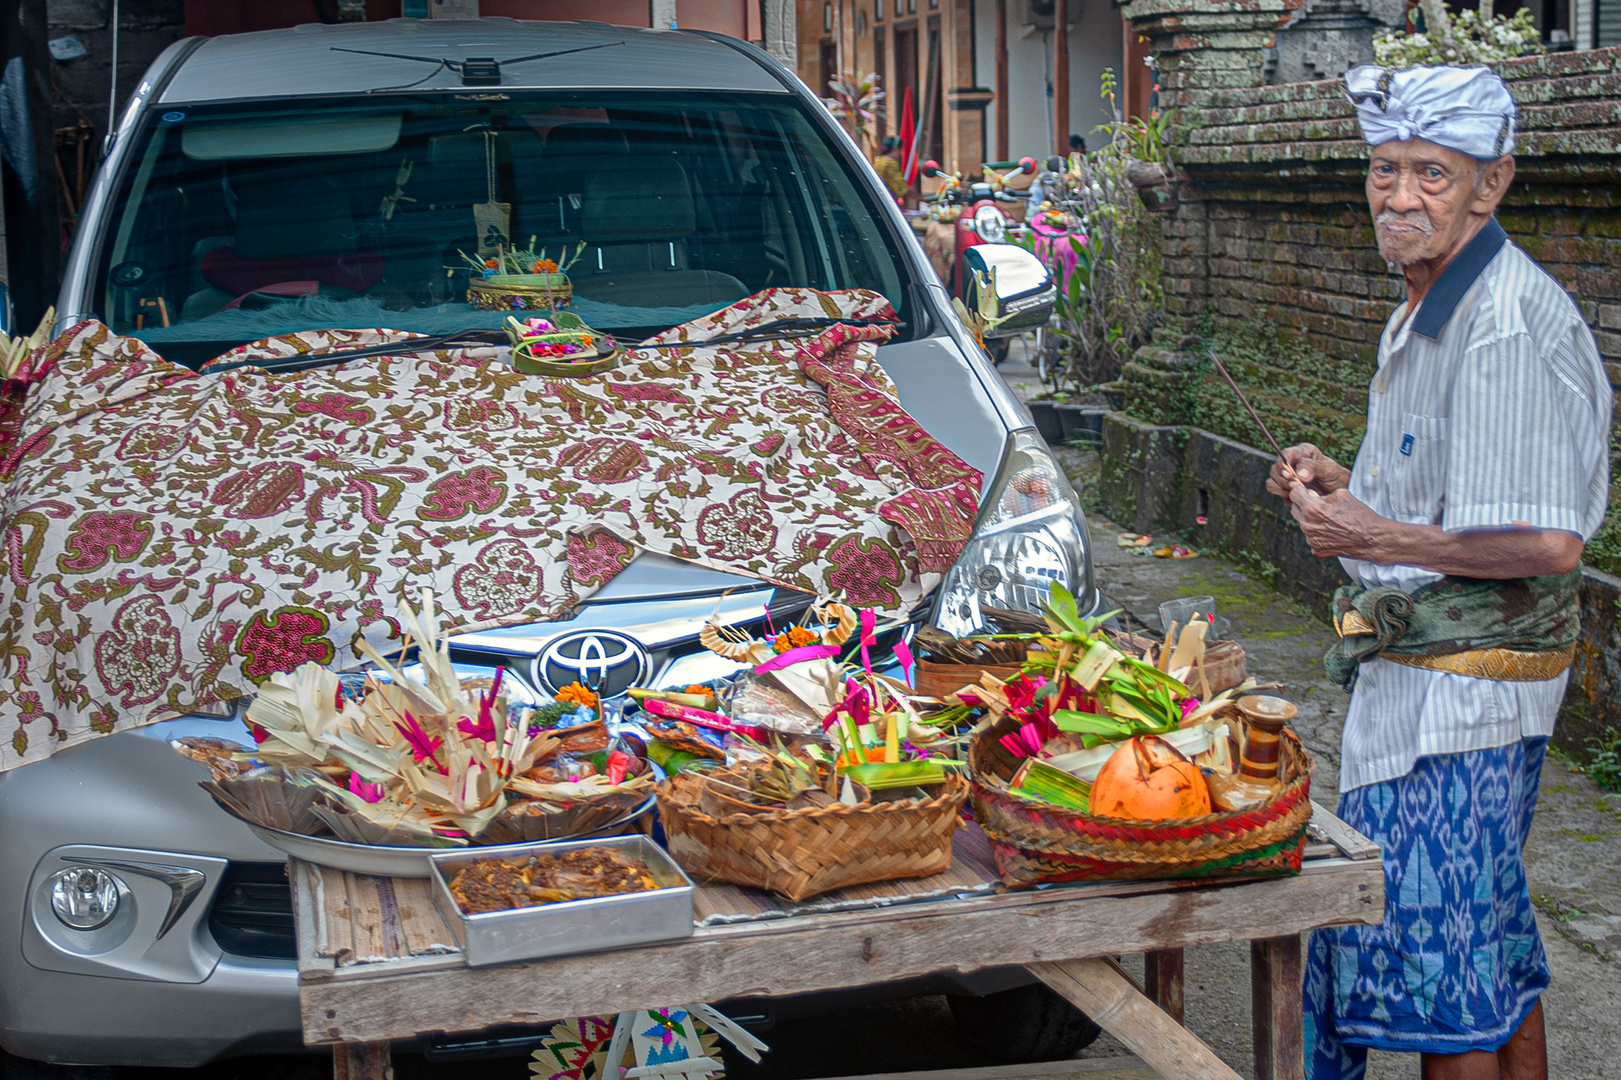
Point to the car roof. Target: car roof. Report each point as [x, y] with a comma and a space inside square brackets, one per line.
[303, 61]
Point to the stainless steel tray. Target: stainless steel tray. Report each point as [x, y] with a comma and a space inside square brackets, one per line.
[380, 861]
[571, 926]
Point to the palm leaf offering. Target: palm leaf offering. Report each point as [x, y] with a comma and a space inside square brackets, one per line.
[1082, 696]
[417, 755]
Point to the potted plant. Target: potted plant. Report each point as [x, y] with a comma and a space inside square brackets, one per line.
[1146, 139]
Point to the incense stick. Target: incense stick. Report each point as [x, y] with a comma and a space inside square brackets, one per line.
[1244, 401]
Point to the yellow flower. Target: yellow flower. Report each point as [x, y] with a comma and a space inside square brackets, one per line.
[576, 694]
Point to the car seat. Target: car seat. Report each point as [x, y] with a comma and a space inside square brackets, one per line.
[636, 224]
[291, 239]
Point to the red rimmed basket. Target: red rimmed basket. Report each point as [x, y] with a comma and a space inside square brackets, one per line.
[1037, 843]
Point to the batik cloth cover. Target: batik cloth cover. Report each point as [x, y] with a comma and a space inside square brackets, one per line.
[1457, 964]
[171, 538]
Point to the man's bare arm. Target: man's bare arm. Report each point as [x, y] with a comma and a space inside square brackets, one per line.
[1341, 525]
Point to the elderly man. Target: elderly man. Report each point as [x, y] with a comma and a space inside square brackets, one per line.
[1483, 472]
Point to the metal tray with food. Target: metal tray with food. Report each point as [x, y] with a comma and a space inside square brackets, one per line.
[544, 879]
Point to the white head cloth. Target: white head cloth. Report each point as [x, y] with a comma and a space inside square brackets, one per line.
[1464, 109]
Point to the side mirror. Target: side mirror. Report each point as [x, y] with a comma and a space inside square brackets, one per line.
[931, 168]
[1011, 289]
[1027, 165]
[1056, 164]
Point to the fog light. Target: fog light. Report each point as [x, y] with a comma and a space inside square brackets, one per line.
[84, 897]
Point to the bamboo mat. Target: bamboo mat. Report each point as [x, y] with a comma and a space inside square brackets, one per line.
[369, 920]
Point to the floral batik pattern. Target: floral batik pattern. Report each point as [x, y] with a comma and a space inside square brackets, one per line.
[172, 538]
[1457, 964]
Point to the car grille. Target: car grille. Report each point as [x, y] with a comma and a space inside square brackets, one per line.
[253, 912]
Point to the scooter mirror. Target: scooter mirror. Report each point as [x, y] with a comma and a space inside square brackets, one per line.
[931, 169]
[1055, 164]
[1027, 165]
[1011, 282]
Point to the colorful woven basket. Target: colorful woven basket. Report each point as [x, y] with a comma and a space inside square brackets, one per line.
[1035, 843]
[519, 292]
[800, 853]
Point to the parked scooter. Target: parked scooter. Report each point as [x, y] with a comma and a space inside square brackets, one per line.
[978, 212]
[1058, 238]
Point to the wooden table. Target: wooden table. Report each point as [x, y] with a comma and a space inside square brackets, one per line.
[377, 963]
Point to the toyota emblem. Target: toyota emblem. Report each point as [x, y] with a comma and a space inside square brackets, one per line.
[605, 662]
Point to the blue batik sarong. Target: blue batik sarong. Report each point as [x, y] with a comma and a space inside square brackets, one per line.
[1457, 964]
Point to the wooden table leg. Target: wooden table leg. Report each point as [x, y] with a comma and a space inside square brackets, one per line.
[1105, 994]
[361, 1061]
[1275, 1011]
[1162, 975]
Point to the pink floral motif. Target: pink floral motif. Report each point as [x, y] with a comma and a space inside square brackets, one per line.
[283, 639]
[453, 497]
[100, 535]
[594, 557]
[265, 490]
[604, 461]
[137, 656]
[503, 578]
[865, 573]
[739, 528]
[347, 407]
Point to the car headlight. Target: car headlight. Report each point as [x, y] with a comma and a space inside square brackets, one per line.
[1030, 534]
[85, 897]
[990, 224]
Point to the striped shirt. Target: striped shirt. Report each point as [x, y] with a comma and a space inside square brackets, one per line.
[1490, 408]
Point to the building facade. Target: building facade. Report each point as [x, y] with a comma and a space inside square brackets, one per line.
[988, 80]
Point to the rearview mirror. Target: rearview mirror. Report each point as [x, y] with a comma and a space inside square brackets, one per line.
[1010, 281]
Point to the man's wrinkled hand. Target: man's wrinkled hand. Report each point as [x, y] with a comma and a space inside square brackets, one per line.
[1313, 468]
[1337, 524]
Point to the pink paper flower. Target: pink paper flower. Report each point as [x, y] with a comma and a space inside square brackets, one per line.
[369, 792]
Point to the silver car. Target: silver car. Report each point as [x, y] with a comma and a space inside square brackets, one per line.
[326, 176]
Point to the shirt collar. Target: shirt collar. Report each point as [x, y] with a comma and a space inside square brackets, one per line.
[1456, 279]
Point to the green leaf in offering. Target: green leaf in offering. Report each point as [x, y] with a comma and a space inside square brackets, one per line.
[879, 775]
[1040, 781]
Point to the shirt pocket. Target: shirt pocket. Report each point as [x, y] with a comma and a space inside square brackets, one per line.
[1418, 470]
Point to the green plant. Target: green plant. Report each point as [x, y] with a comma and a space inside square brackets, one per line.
[856, 101]
[1605, 764]
[1470, 37]
[1146, 138]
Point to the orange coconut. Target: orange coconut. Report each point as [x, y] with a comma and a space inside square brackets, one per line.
[1147, 779]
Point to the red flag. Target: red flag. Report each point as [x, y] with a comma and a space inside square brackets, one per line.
[908, 136]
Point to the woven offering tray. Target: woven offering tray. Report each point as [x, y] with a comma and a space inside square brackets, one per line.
[800, 853]
[1037, 843]
[519, 292]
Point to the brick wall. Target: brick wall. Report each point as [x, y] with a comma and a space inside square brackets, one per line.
[146, 28]
[1272, 254]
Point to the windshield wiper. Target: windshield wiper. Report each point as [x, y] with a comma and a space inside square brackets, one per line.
[793, 327]
[308, 361]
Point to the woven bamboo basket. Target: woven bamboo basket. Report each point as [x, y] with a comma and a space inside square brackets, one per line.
[942, 680]
[519, 292]
[800, 853]
[1035, 843]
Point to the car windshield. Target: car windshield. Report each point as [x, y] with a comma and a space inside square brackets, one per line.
[234, 224]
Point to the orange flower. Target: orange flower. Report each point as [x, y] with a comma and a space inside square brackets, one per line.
[576, 694]
[544, 266]
[701, 689]
[489, 264]
[799, 636]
